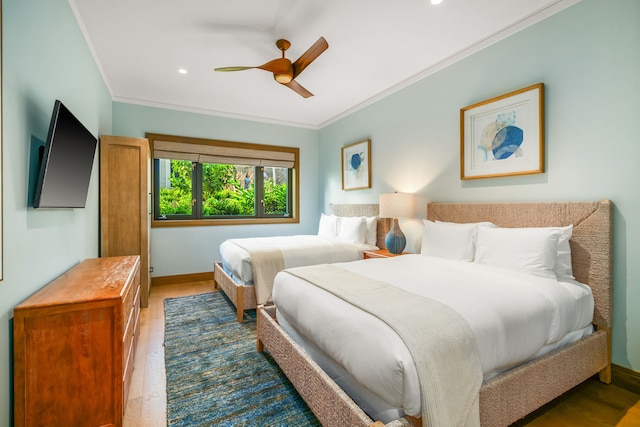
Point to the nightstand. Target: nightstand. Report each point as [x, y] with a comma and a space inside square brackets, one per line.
[380, 253]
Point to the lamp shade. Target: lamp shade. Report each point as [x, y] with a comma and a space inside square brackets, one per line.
[396, 205]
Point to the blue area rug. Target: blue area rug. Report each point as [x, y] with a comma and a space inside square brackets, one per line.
[215, 376]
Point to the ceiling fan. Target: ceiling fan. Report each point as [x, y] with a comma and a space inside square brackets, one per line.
[284, 71]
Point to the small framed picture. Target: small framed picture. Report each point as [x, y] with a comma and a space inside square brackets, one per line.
[503, 136]
[356, 165]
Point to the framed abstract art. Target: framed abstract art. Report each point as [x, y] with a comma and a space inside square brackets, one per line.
[356, 165]
[503, 136]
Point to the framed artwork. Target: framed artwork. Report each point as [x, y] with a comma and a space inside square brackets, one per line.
[503, 136]
[356, 165]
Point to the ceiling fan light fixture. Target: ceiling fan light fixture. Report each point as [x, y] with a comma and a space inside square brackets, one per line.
[283, 78]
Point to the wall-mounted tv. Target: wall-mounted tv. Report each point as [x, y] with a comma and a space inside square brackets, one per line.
[67, 160]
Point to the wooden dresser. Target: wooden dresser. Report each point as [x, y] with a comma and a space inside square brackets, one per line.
[74, 345]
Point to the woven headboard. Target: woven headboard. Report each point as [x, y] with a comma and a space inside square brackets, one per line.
[591, 242]
[364, 210]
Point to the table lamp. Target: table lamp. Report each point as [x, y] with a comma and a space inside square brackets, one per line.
[395, 205]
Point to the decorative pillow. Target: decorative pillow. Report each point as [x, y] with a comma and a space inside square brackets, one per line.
[352, 229]
[533, 250]
[450, 240]
[328, 226]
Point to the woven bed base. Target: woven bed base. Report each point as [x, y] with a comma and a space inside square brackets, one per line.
[511, 396]
[243, 297]
[503, 399]
[329, 403]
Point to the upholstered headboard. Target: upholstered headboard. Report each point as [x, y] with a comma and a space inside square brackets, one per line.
[364, 210]
[591, 242]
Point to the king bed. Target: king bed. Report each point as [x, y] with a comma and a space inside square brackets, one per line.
[494, 380]
[245, 273]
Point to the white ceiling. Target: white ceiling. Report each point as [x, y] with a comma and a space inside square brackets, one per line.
[375, 47]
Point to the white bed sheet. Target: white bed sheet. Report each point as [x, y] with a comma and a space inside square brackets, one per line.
[514, 317]
[297, 250]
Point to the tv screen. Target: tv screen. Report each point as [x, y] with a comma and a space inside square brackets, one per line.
[67, 160]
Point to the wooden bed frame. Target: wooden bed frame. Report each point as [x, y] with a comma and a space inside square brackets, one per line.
[243, 297]
[511, 396]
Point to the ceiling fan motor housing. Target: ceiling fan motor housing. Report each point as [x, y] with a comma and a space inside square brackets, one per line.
[283, 70]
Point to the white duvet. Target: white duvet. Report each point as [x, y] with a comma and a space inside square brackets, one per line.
[296, 251]
[514, 317]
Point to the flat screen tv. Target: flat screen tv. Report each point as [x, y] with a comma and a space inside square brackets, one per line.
[67, 160]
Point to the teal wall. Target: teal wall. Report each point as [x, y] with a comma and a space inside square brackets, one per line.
[185, 250]
[588, 57]
[44, 58]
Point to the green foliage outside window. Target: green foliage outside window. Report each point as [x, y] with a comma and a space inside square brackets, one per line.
[224, 191]
[275, 198]
[176, 200]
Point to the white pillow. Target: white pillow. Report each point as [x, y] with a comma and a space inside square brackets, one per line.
[563, 267]
[352, 229]
[372, 230]
[450, 240]
[532, 250]
[328, 226]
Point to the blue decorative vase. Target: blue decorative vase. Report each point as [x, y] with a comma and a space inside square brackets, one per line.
[395, 240]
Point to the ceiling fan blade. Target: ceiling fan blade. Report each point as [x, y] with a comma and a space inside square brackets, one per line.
[278, 66]
[232, 68]
[309, 56]
[297, 88]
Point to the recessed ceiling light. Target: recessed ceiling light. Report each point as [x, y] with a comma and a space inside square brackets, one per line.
[436, 1]
[182, 71]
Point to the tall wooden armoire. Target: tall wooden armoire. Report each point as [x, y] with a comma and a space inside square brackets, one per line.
[125, 202]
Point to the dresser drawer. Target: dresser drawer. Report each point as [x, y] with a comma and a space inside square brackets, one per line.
[131, 294]
[132, 326]
[128, 371]
[130, 343]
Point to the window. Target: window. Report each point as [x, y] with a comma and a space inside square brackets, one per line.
[209, 182]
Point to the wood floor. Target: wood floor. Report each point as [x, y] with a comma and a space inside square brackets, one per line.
[147, 405]
[592, 404]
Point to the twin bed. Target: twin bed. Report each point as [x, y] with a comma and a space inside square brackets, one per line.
[245, 273]
[471, 375]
